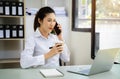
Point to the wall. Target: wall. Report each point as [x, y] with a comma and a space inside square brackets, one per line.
[80, 48]
[80, 44]
[60, 3]
[30, 4]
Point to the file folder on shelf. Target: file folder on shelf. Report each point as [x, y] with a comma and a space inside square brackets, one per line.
[20, 31]
[7, 8]
[1, 31]
[14, 31]
[1, 8]
[14, 8]
[20, 9]
[7, 31]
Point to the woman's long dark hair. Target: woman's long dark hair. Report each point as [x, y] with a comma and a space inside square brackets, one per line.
[41, 14]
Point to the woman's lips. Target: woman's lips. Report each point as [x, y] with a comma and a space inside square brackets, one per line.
[51, 28]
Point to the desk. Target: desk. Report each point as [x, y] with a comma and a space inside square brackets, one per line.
[33, 73]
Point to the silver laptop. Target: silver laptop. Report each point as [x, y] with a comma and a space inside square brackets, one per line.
[103, 62]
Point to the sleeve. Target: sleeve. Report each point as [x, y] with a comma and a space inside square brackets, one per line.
[65, 55]
[27, 59]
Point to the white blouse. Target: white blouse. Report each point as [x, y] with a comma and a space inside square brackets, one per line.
[35, 48]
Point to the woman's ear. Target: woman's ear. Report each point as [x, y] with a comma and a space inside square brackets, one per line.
[39, 21]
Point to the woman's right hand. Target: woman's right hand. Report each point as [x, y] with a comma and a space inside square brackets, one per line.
[58, 48]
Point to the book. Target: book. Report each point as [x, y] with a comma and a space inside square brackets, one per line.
[51, 73]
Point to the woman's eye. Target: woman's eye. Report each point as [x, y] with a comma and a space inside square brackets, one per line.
[49, 20]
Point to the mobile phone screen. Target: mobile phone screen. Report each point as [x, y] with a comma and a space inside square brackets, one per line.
[57, 30]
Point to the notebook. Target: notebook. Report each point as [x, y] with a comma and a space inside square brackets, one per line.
[103, 62]
[51, 73]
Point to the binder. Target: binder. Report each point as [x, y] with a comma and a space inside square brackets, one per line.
[7, 7]
[20, 8]
[7, 31]
[20, 31]
[14, 8]
[1, 31]
[1, 8]
[14, 31]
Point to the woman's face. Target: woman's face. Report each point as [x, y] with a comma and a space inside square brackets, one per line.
[48, 23]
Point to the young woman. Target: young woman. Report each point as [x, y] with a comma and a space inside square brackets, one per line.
[44, 48]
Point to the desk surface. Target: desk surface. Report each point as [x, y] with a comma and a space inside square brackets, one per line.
[32, 73]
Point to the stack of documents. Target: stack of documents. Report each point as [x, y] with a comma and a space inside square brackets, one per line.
[60, 11]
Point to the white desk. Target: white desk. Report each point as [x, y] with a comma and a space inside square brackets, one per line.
[18, 73]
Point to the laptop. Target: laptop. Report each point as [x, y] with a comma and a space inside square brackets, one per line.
[103, 62]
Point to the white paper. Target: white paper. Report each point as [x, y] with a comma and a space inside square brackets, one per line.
[51, 73]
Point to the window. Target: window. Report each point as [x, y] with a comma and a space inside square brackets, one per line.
[99, 17]
[83, 19]
[108, 23]
[81, 15]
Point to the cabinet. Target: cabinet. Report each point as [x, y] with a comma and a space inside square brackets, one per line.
[12, 31]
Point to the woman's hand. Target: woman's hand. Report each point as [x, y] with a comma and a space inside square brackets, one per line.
[57, 49]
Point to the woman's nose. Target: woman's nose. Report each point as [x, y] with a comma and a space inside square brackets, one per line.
[52, 24]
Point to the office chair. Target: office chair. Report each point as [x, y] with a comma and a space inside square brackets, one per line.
[61, 63]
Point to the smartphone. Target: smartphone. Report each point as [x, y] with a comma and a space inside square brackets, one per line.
[57, 30]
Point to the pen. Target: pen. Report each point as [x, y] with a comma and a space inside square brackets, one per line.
[52, 47]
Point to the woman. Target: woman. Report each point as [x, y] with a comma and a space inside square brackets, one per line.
[44, 48]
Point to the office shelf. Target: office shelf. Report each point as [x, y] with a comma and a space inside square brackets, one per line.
[10, 60]
[2, 16]
[13, 39]
[12, 45]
